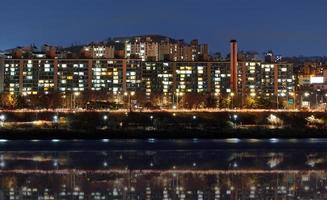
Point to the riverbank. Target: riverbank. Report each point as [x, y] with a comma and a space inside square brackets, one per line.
[97, 125]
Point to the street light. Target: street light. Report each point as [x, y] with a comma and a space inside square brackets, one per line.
[55, 119]
[2, 119]
[74, 95]
[235, 120]
[232, 99]
[129, 95]
[306, 94]
[2, 164]
[178, 94]
[218, 99]
[55, 163]
[105, 117]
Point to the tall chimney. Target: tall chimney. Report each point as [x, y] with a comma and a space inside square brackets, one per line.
[233, 66]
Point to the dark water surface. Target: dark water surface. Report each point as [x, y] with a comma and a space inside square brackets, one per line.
[164, 169]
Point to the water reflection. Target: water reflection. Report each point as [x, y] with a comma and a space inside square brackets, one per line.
[234, 173]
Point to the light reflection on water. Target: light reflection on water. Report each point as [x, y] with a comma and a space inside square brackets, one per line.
[225, 172]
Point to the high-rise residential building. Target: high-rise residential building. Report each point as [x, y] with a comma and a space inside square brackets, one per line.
[162, 48]
[199, 51]
[145, 48]
[100, 50]
[167, 79]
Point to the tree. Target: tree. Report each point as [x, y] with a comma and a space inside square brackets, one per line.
[226, 102]
[51, 100]
[8, 100]
[250, 102]
[193, 100]
[210, 101]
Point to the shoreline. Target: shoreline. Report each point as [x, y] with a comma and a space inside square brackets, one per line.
[80, 110]
[162, 125]
[65, 134]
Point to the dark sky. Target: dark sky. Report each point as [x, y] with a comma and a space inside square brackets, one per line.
[289, 27]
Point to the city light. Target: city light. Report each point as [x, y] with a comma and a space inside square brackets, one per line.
[55, 119]
[2, 164]
[105, 164]
[274, 120]
[149, 115]
[306, 94]
[2, 117]
[55, 163]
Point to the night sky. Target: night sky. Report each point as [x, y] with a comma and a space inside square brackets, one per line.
[288, 27]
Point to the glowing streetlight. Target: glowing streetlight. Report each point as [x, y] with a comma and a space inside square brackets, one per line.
[235, 120]
[55, 119]
[2, 164]
[2, 117]
[178, 94]
[218, 99]
[306, 94]
[129, 95]
[232, 99]
[105, 117]
[74, 95]
[55, 163]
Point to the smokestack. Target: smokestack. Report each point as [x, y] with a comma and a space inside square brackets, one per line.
[233, 66]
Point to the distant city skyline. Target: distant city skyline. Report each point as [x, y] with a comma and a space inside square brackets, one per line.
[286, 27]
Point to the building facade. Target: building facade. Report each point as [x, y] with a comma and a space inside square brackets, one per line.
[167, 79]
